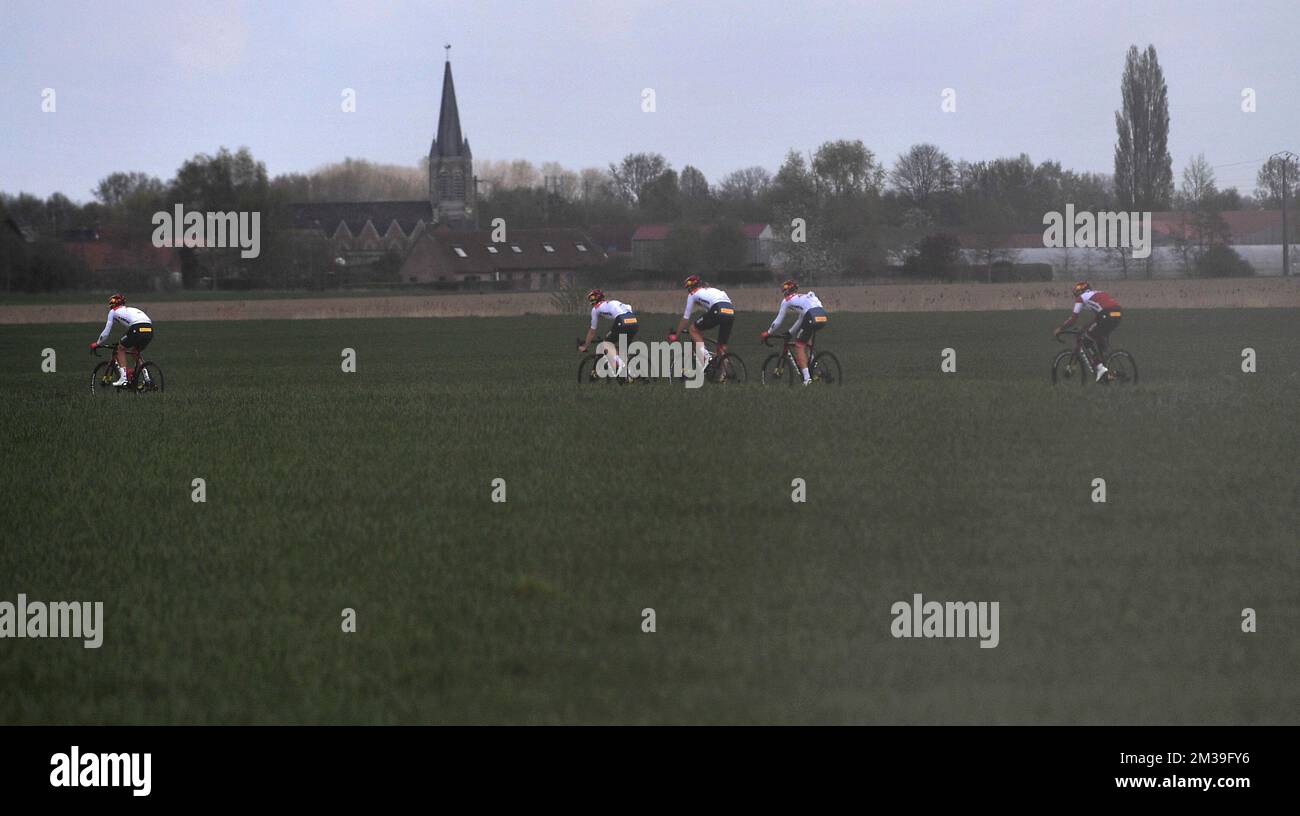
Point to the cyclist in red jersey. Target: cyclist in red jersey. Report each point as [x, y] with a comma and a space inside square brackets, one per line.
[1106, 318]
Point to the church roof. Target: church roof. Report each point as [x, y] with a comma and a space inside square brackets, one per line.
[356, 213]
[449, 141]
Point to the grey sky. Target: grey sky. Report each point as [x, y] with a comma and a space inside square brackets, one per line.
[143, 86]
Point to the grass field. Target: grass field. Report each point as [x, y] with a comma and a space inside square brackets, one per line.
[372, 490]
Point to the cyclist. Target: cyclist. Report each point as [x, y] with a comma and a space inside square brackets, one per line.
[810, 317]
[1106, 317]
[625, 324]
[718, 312]
[139, 331]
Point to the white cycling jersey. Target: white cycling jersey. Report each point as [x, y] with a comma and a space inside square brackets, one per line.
[608, 308]
[706, 297]
[126, 315]
[796, 304]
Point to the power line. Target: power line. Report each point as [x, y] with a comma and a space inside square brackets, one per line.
[1234, 164]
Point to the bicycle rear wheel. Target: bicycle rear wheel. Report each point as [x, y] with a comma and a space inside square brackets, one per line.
[149, 380]
[728, 370]
[826, 369]
[1121, 369]
[777, 370]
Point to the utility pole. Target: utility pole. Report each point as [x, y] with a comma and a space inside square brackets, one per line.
[1285, 157]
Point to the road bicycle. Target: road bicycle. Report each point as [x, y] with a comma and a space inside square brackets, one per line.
[145, 376]
[823, 366]
[1070, 365]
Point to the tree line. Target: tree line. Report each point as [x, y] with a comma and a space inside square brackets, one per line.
[854, 211]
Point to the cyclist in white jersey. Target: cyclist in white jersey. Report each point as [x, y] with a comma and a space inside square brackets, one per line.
[139, 331]
[718, 312]
[810, 317]
[625, 324]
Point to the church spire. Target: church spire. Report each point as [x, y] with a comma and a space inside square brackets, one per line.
[452, 191]
[449, 141]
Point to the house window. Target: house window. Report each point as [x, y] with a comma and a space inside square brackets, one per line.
[460, 252]
[581, 247]
[491, 249]
[515, 249]
[548, 247]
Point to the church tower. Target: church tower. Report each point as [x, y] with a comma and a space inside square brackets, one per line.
[451, 166]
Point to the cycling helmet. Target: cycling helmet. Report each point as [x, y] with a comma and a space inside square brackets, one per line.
[595, 296]
[116, 300]
[1081, 287]
[693, 282]
[789, 288]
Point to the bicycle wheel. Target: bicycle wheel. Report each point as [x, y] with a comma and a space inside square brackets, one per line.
[1121, 368]
[587, 369]
[149, 380]
[776, 370]
[1068, 367]
[825, 369]
[729, 370]
[102, 378]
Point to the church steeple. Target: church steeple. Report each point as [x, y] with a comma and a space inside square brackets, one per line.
[449, 140]
[451, 164]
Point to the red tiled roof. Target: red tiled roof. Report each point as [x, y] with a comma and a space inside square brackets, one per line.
[102, 254]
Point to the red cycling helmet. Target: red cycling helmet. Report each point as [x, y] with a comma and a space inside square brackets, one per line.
[693, 282]
[1081, 287]
[115, 300]
[595, 296]
[789, 288]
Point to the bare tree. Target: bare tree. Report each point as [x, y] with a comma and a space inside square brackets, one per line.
[635, 172]
[747, 184]
[921, 172]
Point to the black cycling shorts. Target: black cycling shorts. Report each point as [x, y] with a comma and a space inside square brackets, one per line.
[138, 336]
[813, 320]
[625, 324]
[722, 315]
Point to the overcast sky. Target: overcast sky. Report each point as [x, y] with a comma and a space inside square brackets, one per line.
[145, 85]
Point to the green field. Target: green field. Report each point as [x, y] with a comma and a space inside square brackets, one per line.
[371, 490]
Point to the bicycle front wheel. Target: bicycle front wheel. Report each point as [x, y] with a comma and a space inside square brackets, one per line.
[1067, 368]
[776, 370]
[102, 378]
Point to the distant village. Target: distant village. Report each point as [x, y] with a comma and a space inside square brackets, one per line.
[834, 217]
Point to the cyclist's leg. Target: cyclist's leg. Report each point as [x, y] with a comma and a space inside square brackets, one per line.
[1081, 346]
[705, 321]
[726, 319]
[1105, 326]
[800, 335]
